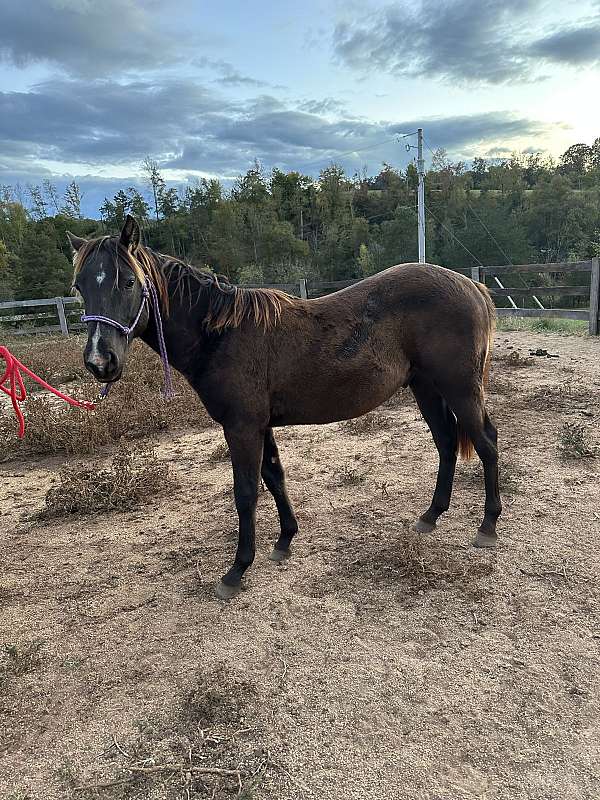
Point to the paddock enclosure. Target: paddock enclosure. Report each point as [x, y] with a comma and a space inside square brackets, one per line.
[373, 664]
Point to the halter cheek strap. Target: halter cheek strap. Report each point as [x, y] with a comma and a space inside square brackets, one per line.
[122, 328]
[149, 296]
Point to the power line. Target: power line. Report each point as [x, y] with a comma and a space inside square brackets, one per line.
[493, 238]
[491, 235]
[454, 236]
[397, 137]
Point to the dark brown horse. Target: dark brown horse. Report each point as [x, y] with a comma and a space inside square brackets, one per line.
[260, 359]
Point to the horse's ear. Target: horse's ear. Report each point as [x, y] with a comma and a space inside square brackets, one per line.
[130, 234]
[76, 242]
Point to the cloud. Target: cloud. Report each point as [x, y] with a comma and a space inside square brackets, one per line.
[110, 122]
[100, 121]
[470, 41]
[86, 127]
[229, 75]
[328, 105]
[465, 40]
[575, 45]
[85, 37]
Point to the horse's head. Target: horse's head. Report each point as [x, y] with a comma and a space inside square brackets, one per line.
[111, 282]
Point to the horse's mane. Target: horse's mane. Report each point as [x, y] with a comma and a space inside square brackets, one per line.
[228, 305]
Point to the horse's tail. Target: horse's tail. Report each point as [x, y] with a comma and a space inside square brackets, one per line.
[491, 328]
[465, 445]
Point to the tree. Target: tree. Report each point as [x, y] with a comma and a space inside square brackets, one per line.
[168, 202]
[44, 270]
[138, 207]
[7, 278]
[251, 188]
[107, 212]
[51, 193]
[39, 206]
[479, 170]
[73, 198]
[154, 181]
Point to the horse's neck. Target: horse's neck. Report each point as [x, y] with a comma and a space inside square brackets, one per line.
[182, 329]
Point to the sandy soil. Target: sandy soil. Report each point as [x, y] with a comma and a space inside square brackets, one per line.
[371, 665]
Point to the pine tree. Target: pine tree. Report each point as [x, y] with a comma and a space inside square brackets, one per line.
[45, 271]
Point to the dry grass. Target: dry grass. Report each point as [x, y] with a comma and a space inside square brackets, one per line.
[514, 359]
[347, 476]
[403, 397]
[510, 474]
[135, 406]
[220, 453]
[574, 441]
[415, 565]
[17, 660]
[200, 751]
[369, 423]
[56, 359]
[134, 475]
[568, 395]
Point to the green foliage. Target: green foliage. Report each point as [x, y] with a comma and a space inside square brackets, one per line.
[44, 269]
[282, 226]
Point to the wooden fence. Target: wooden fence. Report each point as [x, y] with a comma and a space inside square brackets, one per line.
[62, 314]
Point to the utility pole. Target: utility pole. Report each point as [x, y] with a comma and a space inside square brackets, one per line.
[421, 195]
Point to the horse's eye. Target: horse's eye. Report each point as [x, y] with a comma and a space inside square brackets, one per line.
[130, 283]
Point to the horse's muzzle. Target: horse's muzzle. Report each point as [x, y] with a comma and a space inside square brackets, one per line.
[104, 367]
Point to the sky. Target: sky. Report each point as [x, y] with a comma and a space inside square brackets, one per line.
[89, 89]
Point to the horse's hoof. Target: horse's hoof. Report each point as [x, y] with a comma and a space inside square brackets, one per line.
[485, 540]
[279, 555]
[420, 526]
[225, 592]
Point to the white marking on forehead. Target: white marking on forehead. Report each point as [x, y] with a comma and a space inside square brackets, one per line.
[101, 275]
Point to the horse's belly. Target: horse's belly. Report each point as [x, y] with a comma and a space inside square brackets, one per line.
[337, 396]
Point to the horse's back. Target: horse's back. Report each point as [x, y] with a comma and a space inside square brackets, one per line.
[421, 296]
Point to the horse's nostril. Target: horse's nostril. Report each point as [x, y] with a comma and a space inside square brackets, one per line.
[111, 360]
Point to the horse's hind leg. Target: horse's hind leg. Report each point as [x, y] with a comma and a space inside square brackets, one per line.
[274, 477]
[442, 424]
[473, 419]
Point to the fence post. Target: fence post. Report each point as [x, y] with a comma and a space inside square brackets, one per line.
[303, 291]
[476, 274]
[594, 297]
[62, 317]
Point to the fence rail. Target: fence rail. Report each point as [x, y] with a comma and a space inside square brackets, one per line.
[62, 314]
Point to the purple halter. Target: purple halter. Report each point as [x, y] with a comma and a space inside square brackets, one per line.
[148, 294]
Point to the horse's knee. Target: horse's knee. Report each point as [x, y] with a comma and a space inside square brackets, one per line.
[246, 498]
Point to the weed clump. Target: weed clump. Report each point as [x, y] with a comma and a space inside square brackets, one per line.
[574, 443]
[133, 476]
[369, 423]
[350, 477]
[208, 748]
[514, 359]
[16, 660]
[220, 453]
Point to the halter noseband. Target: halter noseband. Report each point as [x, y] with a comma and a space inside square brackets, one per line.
[149, 297]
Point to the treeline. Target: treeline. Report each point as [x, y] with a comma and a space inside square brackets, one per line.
[282, 226]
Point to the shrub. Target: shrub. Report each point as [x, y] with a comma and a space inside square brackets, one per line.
[134, 475]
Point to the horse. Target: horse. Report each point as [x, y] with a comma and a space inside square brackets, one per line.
[260, 359]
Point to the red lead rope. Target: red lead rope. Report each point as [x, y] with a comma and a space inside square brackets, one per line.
[12, 384]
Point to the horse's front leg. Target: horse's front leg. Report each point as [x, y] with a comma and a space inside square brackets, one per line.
[246, 450]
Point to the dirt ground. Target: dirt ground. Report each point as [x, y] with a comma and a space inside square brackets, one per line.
[372, 664]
